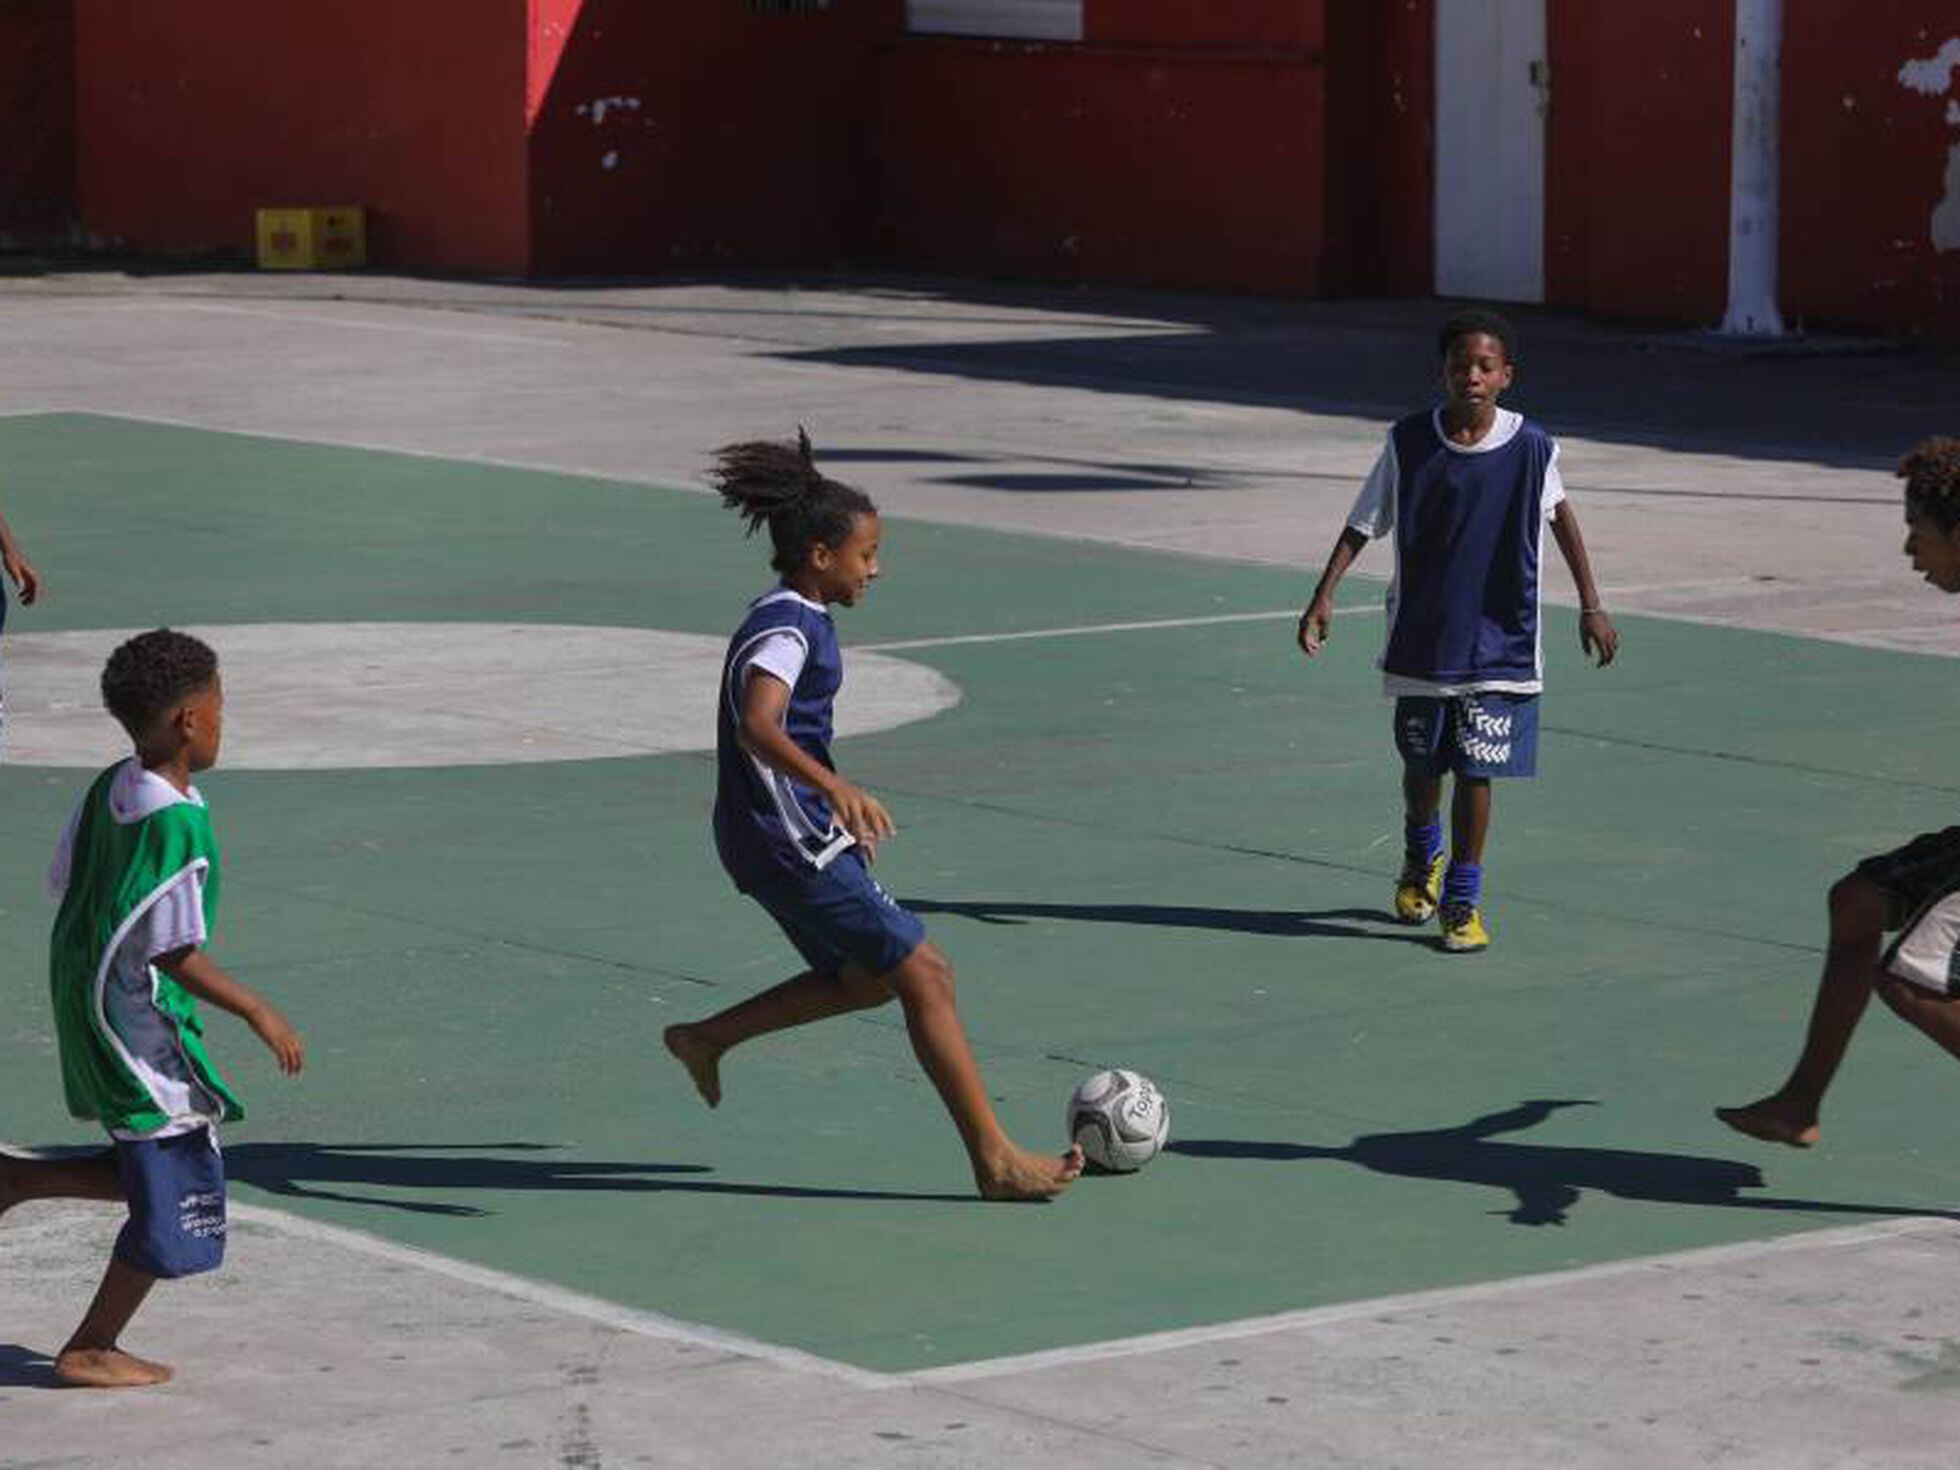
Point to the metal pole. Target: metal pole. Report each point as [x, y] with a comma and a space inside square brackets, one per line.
[1753, 232]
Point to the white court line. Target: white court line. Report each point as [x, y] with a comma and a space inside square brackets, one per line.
[675, 1329]
[1244, 1327]
[561, 1299]
[1086, 628]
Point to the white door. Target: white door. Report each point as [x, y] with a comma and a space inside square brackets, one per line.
[1491, 91]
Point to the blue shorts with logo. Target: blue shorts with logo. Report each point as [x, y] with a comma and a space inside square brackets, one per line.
[1488, 734]
[176, 1192]
[838, 915]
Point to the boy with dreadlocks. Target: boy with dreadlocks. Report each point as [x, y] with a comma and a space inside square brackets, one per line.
[1912, 892]
[136, 872]
[797, 837]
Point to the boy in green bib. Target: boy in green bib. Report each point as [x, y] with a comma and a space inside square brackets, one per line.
[136, 874]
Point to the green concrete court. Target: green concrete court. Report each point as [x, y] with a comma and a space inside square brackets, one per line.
[1166, 847]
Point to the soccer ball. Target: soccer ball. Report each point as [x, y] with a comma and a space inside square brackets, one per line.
[1120, 1119]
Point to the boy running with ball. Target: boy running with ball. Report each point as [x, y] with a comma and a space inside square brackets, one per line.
[1465, 490]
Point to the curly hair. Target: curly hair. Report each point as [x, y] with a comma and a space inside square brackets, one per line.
[1931, 470]
[779, 485]
[1474, 322]
[152, 674]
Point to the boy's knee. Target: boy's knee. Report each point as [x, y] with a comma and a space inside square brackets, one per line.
[926, 976]
[1859, 908]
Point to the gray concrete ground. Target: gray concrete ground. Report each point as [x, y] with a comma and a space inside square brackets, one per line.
[1723, 488]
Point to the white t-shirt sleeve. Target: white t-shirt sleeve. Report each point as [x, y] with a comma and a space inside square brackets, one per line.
[780, 655]
[56, 883]
[175, 921]
[1554, 494]
[1374, 508]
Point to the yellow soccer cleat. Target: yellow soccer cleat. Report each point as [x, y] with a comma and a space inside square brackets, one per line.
[1416, 889]
[1463, 929]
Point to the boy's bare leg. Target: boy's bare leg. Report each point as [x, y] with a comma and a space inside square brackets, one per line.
[1936, 1015]
[1469, 818]
[91, 1177]
[1422, 797]
[1789, 1115]
[798, 1001]
[1002, 1169]
[91, 1358]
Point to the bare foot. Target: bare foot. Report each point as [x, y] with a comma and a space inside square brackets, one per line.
[1773, 1121]
[1020, 1175]
[107, 1368]
[702, 1060]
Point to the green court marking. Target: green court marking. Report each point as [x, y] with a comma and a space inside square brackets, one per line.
[1166, 848]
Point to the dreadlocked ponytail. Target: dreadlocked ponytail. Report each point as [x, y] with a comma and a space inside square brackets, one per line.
[1931, 470]
[779, 486]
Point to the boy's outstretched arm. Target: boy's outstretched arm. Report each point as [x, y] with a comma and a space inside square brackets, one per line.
[204, 978]
[765, 699]
[1597, 635]
[16, 565]
[1317, 621]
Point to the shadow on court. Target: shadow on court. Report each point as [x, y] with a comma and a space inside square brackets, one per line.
[23, 1367]
[1547, 1180]
[1280, 923]
[344, 1173]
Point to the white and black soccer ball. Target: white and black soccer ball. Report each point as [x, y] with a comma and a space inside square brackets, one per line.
[1120, 1119]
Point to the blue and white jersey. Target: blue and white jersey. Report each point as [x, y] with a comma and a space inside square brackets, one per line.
[1469, 528]
[765, 823]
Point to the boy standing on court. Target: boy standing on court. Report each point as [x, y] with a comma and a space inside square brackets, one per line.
[1912, 892]
[136, 872]
[1465, 490]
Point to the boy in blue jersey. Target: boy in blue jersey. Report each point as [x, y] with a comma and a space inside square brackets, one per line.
[1912, 892]
[1466, 490]
[797, 837]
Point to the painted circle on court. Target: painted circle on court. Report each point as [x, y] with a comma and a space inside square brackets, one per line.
[332, 696]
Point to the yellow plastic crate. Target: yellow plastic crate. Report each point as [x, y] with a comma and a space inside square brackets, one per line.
[313, 239]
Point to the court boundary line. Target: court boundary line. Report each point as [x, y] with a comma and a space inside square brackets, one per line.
[613, 477]
[643, 1322]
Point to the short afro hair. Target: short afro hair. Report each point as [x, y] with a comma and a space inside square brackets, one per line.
[152, 674]
[1478, 322]
[1931, 470]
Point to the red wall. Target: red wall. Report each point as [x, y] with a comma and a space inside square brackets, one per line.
[1212, 23]
[195, 112]
[1867, 161]
[1380, 135]
[1199, 168]
[747, 137]
[1637, 157]
[37, 118]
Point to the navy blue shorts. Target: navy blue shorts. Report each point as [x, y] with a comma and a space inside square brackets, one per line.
[176, 1192]
[1487, 734]
[838, 915]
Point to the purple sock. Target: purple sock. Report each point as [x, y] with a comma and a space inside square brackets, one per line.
[1422, 843]
[1463, 885]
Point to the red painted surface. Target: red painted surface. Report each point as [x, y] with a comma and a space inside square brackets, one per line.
[1192, 169]
[37, 118]
[1380, 127]
[195, 112]
[1637, 157]
[701, 135]
[1213, 23]
[1868, 161]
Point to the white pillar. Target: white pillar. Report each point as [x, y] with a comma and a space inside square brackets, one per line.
[1753, 232]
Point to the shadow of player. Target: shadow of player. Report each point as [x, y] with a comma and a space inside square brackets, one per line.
[1281, 923]
[1546, 1180]
[346, 1172]
[23, 1367]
